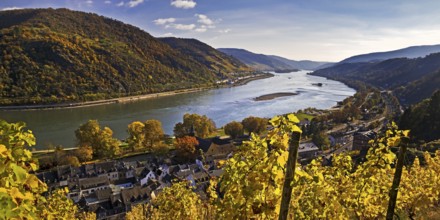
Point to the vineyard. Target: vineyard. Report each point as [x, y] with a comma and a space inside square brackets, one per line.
[251, 187]
[252, 184]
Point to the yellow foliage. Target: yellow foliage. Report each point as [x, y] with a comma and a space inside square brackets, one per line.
[20, 191]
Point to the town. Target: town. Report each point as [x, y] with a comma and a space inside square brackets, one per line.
[111, 187]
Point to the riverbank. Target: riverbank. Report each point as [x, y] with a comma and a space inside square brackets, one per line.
[250, 79]
[130, 98]
[274, 96]
[99, 102]
[222, 105]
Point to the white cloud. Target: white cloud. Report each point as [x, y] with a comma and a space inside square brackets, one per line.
[224, 31]
[10, 8]
[163, 21]
[134, 3]
[169, 34]
[107, 2]
[203, 19]
[182, 27]
[120, 4]
[205, 23]
[185, 4]
[89, 2]
[201, 29]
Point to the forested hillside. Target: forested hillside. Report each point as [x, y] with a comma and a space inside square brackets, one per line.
[50, 56]
[412, 79]
[205, 54]
[423, 119]
[256, 61]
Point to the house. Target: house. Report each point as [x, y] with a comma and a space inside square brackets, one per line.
[105, 167]
[125, 183]
[183, 174]
[216, 146]
[91, 184]
[165, 180]
[305, 122]
[150, 176]
[307, 150]
[361, 139]
[50, 178]
[63, 171]
[197, 178]
[216, 173]
[104, 204]
[137, 194]
[332, 140]
[112, 176]
[110, 188]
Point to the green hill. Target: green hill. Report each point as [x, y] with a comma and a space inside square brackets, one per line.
[206, 55]
[412, 79]
[423, 119]
[50, 56]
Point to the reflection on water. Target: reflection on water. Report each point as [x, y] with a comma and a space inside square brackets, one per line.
[57, 126]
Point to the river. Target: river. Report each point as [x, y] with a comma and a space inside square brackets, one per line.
[223, 105]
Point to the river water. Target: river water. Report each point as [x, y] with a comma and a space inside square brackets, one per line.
[223, 105]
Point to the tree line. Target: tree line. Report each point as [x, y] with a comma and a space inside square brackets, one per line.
[95, 142]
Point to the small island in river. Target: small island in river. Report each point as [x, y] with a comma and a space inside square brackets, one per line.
[317, 84]
[274, 95]
[286, 70]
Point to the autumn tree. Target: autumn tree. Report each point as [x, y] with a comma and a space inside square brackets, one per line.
[136, 135]
[86, 216]
[180, 130]
[138, 212]
[321, 140]
[71, 160]
[58, 154]
[234, 129]
[186, 147]
[102, 142]
[177, 202]
[84, 153]
[20, 190]
[153, 133]
[147, 135]
[254, 124]
[200, 124]
[57, 206]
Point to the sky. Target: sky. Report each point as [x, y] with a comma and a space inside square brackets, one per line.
[319, 30]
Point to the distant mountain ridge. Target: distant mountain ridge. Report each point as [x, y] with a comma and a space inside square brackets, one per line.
[409, 52]
[411, 79]
[205, 54]
[59, 55]
[270, 62]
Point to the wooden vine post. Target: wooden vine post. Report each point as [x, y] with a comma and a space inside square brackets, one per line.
[290, 172]
[397, 175]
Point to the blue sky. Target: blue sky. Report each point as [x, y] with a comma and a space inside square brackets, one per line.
[322, 30]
